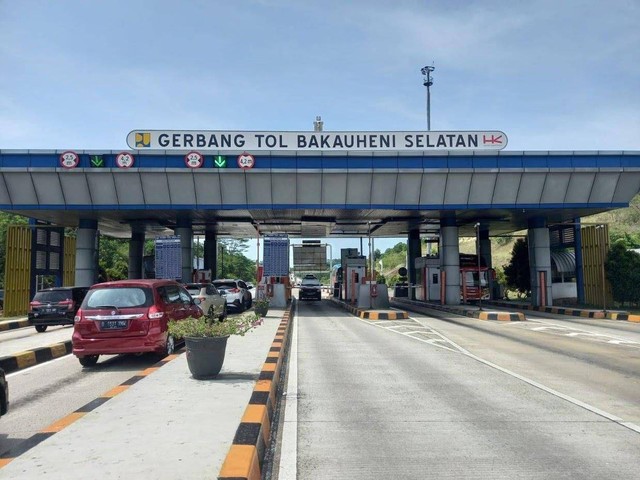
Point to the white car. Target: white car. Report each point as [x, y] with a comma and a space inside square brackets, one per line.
[236, 292]
[212, 302]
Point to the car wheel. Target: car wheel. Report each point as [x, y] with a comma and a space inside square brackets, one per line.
[41, 328]
[250, 302]
[223, 315]
[88, 360]
[170, 347]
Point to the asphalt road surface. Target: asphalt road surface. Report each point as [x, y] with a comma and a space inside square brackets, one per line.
[461, 398]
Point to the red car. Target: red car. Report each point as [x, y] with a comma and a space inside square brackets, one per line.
[129, 316]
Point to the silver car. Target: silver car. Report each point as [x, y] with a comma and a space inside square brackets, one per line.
[212, 302]
[236, 291]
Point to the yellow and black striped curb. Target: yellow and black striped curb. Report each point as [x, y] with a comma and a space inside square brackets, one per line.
[371, 314]
[386, 315]
[14, 324]
[597, 314]
[64, 422]
[624, 316]
[500, 316]
[29, 358]
[464, 312]
[245, 458]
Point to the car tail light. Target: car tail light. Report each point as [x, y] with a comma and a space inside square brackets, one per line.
[68, 303]
[233, 290]
[155, 312]
[78, 316]
[33, 304]
[202, 299]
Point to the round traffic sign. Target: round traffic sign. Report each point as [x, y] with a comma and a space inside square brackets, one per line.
[125, 160]
[69, 159]
[194, 160]
[246, 160]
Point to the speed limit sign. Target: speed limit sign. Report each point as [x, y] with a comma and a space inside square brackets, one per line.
[124, 160]
[69, 159]
[194, 160]
[246, 160]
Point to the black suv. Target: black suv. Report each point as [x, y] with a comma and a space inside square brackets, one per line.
[55, 306]
[4, 394]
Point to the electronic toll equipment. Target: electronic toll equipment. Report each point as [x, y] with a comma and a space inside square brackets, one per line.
[427, 278]
[336, 280]
[354, 273]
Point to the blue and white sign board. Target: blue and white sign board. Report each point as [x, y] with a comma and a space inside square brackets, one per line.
[315, 141]
[168, 258]
[276, 256]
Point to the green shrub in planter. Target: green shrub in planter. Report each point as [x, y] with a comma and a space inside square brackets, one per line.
[261, 306]
[206, 340]
[207, 327]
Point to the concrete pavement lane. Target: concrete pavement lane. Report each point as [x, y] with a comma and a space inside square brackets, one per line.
[591, 363]
[373, 404]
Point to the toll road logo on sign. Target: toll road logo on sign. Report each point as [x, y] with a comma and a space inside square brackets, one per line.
[246, 160]
[143, 140]
[492, 140]
[124, 160]
[193, 160]
[69, 159]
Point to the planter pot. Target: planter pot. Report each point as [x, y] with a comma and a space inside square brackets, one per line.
[205, 355]
[262, 311]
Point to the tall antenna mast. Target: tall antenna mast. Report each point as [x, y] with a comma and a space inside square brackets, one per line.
[427, 81]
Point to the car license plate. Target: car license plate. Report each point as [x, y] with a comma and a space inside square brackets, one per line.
[49, 310]
[113, 324]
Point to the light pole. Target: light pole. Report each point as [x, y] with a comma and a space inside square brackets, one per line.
[427, 81]
[221, 260]
[478, 255]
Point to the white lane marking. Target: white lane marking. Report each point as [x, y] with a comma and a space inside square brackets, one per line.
[555, 326]
[586, 335]
[575, 401]
[289, 445]
[428, 331]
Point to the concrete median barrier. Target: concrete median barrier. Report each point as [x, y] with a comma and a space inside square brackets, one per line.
[245, 459]
[29, 358]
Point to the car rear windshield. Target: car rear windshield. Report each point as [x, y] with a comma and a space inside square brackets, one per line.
[225, 285]
[54, 296]
[121, 297]
[310, 281]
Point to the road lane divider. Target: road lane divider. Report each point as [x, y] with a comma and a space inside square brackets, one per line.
[465, 312]
[245, 459]
[574, 312]
[372, 314]
[10, 455]
[14, 324]
[29, 358]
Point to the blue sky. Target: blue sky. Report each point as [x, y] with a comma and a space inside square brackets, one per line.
[552, 75]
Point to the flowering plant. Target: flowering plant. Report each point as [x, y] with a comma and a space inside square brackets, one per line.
[207, 327]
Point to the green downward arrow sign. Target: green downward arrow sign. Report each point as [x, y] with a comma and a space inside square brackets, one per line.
[220, 161]
[97, 161]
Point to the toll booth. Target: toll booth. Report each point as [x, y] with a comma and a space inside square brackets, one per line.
[428, 282]
[277, 289]
[354, 274]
